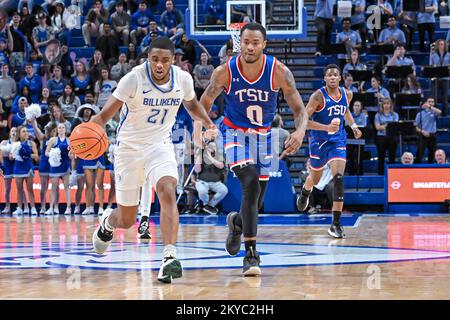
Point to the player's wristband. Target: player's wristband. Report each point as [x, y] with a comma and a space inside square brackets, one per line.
[354, 126]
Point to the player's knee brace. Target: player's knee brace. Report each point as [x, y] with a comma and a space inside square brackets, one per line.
[249, 179]
[338, 192]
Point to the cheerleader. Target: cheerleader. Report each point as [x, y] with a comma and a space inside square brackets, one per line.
[44, 165]
[94, 173]
[24, 153]
[8, 167]
[60, 164]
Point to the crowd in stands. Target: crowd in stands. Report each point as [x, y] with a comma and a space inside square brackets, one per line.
[39, 69]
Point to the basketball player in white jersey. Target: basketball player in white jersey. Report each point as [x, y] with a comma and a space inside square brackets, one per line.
[144, 210]
[149, 97]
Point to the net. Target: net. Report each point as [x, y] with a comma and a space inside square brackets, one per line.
[235, 30]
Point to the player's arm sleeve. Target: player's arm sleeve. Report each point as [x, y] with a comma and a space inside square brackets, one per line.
[126, 88]
[188, 87]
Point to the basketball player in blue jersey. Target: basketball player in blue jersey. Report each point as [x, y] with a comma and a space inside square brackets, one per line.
[251, 81]
[328, 107]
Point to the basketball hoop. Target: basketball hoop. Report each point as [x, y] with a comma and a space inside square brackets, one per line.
[235, 30]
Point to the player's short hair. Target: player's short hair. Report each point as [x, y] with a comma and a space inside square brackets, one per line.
[255, 27]
[162, 43]
[331, 66]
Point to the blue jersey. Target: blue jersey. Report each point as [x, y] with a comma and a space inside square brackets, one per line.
[250, 104]
[330, 109]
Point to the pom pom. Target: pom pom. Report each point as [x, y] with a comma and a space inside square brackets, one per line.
[54, 157]
[33, 111]
[5, 148]
[15, 148]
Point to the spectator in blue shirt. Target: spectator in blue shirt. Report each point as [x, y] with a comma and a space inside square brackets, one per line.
[380, 92]
[33, 81]
[57, 84]
[359, 21]
[392, 34]
[352, 150]
[383, 141]
[425, 23]
[399, 59]
[426, 128]
[216, 12]
[441, 57]
[408, 24]
[385, 10]
[348, 83]
[350, 38]
[172, 20]
[324, 24]
[140, 21]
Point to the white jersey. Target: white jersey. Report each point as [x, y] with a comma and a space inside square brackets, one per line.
[149, 110]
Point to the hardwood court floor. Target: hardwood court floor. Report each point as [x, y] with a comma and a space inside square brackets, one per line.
[52, 258]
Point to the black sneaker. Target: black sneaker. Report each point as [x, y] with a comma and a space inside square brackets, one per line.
[210, 209]
[233, 242]
[170, 269]
[336, 231]
[251, 263]
[102, 238]
[302, 201]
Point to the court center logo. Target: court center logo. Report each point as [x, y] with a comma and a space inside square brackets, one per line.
[200, 255]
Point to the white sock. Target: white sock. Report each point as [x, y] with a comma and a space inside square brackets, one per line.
[170, 251]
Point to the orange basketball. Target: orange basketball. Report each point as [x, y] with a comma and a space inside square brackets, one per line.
[88, 141]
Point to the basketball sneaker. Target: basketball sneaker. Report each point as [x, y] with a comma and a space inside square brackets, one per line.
[303, 200]
[102, 238]
[49, 211]
[18, 212]
[143, 229]
[233, 242]
[251, 263]
[6, 210]
[170, 269]
[26, 210]
[336, 231]
[77, 210]
[34, 211]
[56, 210]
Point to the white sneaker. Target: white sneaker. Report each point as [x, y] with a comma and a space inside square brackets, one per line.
[34, 211]
[77, 210]
[86, 211]
[56, 209]
[42, 211]
[18, 212]
[49, 211]
[100, 211]
[68, 211]
[26, 210]
[102, 238]
[6, 210]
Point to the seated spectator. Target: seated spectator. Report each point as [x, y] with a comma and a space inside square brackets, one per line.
[348, 83]
[121, 68]
[33, 81]
[103, 88]
[226, 51]
[145, 43]
[69, 103]
[359, 116]
[399, 58]
[120, 22]
[426, 123]
[81, 81]
[350, 38]
[360, 119]
[93, 24]
[202, 74]
[412, 86]
[278, 131]
[441, 57]
[42, 34]
[215, 12]
[108, 44]
[139, 23]
[185, 65]
[57, 83]
[385, 143]
[358, 19]
[172, 20]
[209, 176]
[425, 23]
[96, 64]
[407, 20]
[8, 88]
[56, 116]
[59, 19]
[354, 63]
[440, 156]
[407, 158]
[392, 34]
[380, 92]
[132, 53]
